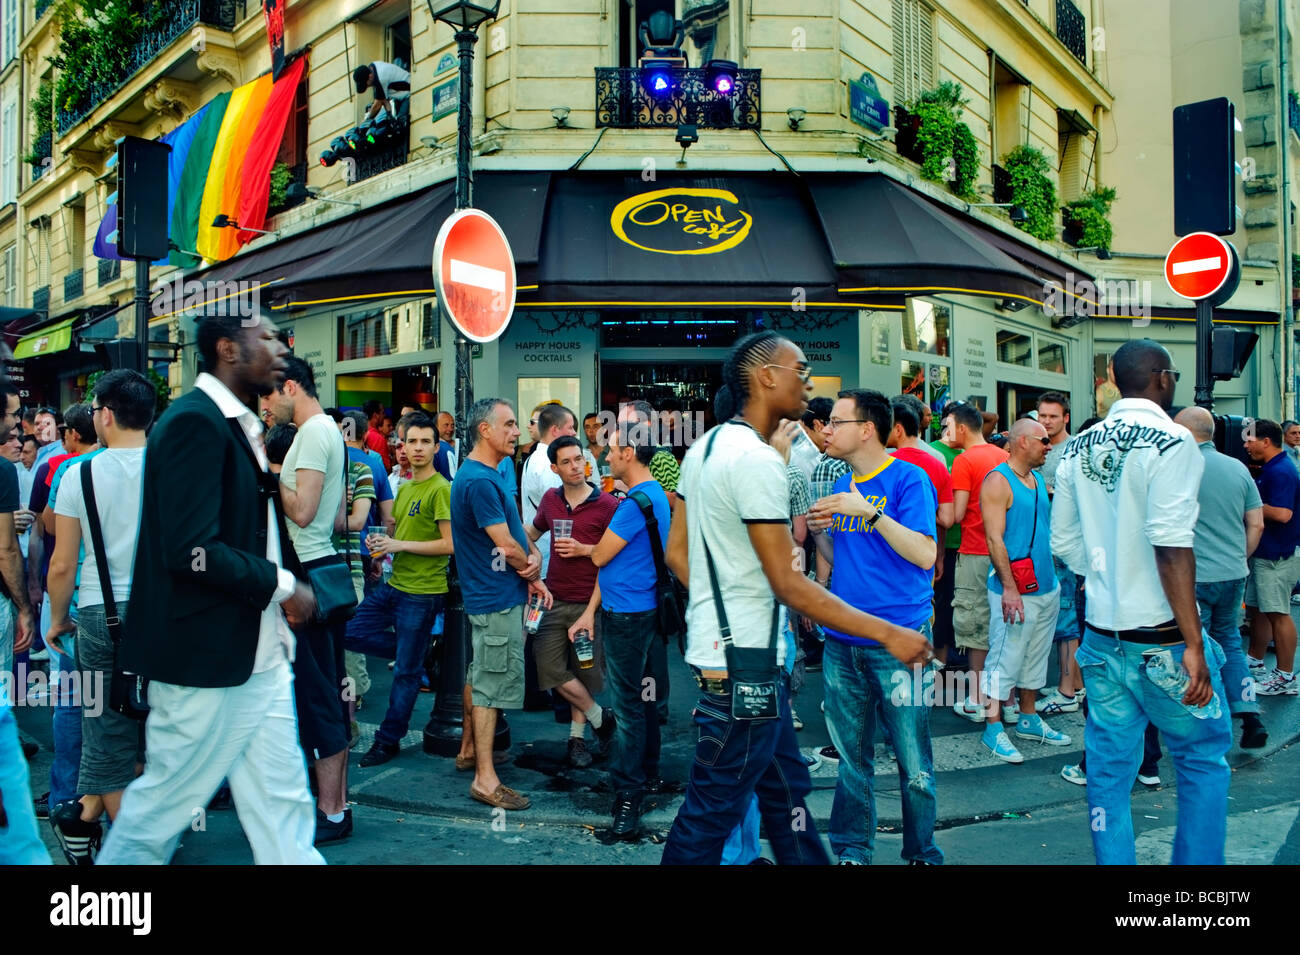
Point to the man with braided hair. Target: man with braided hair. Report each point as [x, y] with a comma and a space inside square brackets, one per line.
[730, 542]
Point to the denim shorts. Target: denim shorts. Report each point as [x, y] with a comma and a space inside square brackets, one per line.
[111, 744]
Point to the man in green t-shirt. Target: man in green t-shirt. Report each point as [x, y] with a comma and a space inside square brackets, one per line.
[943, 587]
[395, 621]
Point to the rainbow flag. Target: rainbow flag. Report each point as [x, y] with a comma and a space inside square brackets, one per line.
[221, 165]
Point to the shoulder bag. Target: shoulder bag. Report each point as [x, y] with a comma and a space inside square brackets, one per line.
[752, 672]
[671, 615]
[127, 692]
[336, 598]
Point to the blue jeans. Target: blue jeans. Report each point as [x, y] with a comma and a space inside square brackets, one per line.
[411, 618]
[1067, 622]
[20, 842]
[67, 724]
[734, 761]
[635, 682]
[1220, 604]
[861, 683]
[1120, 702]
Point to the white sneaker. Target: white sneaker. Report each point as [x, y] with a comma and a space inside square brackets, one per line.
[1258, 668]
[38, 656]
[1278, 685]
[1055, 703]
[971, 711]
[1151, 781]
[1073, 774]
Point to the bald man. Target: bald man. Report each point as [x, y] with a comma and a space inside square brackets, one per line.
[1022, 590]
[1228, 528]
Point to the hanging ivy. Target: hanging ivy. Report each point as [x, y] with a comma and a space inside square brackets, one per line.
[95, 39]
[1033, 190]
[160, 385]
[281, 177]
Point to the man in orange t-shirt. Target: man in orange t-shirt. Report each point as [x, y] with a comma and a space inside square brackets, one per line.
[970, 604]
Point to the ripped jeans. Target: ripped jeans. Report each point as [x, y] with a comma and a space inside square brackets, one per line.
[861, 682]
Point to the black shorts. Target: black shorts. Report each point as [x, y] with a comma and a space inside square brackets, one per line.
[318, 686]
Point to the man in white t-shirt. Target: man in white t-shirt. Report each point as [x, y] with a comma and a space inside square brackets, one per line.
[734, 497]
[122, 407]
[312, 494]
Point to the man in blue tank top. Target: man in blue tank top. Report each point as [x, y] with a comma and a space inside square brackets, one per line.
[1023, 598]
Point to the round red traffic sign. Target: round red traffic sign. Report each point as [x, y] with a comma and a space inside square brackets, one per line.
[474, 274]
[1198, 265]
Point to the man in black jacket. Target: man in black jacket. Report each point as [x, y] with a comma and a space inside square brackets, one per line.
[206, 622]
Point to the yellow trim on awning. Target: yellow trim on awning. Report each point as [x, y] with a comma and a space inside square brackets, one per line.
[45, 341]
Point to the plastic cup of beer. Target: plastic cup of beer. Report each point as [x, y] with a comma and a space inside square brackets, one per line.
[562, 529]
[375, 530]
[607, 480]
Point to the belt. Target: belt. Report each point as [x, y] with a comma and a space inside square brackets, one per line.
[1156, 634]
[718, 687]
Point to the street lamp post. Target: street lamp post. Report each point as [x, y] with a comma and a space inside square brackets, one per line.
[442, 735]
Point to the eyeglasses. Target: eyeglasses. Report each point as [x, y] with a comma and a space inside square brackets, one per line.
[834, 423]
[1168, 371]
[95, 409]
[804, 373]
[1046, 441]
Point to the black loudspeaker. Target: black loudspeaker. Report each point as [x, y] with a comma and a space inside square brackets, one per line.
[1205, 175]
[142, 198]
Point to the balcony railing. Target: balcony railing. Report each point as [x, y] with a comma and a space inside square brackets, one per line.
[1072, 29]
[623, 102]
[181, 17]
[41, 299]
[375, 163]
[74, 285]
[109, 271]
[1293, 111]
[42, 148]
[42, 6]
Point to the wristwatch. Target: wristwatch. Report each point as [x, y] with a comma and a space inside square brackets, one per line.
[871, 521]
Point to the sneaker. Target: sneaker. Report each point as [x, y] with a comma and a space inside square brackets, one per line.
[607, 726]
[1081, 694]
[327, 831]
[1000, 745]
[1036, 728]
[971, 711]
[794, 716]
[39, 656]
[1253, 734]
[579, 754]
[1258, 668]
[829, 752]
[1151, 781]
[811, 760]
[1295, 599]
[1278, 685]
[378, 754]
[1010, 712]
[78, 839]
[627, 816]
[41, 805]
[1075, 774]
[1056, 703]
[30, 749]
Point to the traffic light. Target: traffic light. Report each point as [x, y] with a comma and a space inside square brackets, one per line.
[120, 353]
[1205, 175]
[1230, 349]
[142, 198]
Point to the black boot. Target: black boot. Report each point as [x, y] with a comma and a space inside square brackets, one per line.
[1253, 734]
[627, 815]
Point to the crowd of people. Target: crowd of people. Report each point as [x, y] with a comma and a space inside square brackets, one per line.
[251, 579]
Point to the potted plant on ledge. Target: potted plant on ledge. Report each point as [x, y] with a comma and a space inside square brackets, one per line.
[1033, 190]
[1087, 219]
[931, 133]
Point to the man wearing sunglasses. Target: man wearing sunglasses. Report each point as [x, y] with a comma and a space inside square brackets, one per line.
[1023, 593]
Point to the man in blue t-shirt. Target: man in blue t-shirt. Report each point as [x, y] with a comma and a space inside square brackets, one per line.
[878, 531]
[499, 570]
[1275, 565]
[1024, 599]
[628, 601]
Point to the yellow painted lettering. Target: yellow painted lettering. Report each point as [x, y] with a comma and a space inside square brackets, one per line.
[638, 210]
[679, 209]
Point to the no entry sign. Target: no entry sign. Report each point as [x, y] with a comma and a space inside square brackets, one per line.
[1198, 265]
[474, 274]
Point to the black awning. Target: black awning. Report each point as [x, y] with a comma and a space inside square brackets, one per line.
[387, 250]
[888, 239]
[615, 239]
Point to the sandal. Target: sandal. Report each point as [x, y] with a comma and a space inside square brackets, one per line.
[503, 798]
[465, 763]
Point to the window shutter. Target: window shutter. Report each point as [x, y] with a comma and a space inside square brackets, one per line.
[913, 49]
[8, 151]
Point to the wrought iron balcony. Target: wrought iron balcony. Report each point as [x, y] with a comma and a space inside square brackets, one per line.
[74, 285]
[42, 148]
[1072, 29]
[180, 17]
[109, 271]
[623, 102]
[41, 299]
[375, 163]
